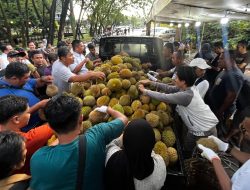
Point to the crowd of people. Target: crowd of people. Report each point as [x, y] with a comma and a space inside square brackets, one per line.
[206, 93]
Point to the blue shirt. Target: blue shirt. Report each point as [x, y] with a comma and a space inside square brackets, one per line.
[56, 167]
[26, 91]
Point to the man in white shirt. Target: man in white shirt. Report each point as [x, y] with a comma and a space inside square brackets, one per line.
[4, 61]
[62, 74]
[78, 67]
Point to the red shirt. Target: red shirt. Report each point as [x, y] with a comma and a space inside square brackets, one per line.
[35, 139]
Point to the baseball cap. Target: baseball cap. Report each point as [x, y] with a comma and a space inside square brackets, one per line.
[200, 63]
[16, 54]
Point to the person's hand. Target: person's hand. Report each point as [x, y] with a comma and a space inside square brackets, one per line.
[43, 103]
[86, 60]
[99, 74]
[102, 109]
[208, 153]
[47, 79]
[155, 74]
[221, 145]
[145, 82]
[141, 88]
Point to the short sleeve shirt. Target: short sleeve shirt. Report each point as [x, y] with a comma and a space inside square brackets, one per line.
[56, 167]
[61, 75]
[78, 58]
[240, 180]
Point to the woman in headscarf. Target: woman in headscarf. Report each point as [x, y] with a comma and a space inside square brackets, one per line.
[131, 164]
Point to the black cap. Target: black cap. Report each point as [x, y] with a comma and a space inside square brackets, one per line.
[16, 54]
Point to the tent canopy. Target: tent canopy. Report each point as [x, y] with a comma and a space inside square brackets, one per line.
[199, 10]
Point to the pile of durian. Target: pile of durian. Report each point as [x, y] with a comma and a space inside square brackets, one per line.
[120, 91]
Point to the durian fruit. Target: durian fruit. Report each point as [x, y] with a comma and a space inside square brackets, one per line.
[95, 90]
[89, 101]
[155, 102]
[145, 99]
[125, 73]
[113, 75]
[119, 93]
[85, 126]
[152, 107]
[133, 80]
[114, 85]
[113, 102]
[86, 85]
[51, 140]
[153, 119]
[76, 88]
[164, 117]
[103, 100]
[167, 80]
[173, 156]
[51, 90]
[96, 117]
[168, 137]
[80, 100]
[126, 84]
[116, 60]
[145, 107]
[161, 149]
[136, 75]
[127, 59]
[89, 65]
[115, 68]
[31, 67]
[162, 106]
[101, 86]
[118, 107]
[124, 100]
[138, 114]
[136, 104]
[121, 66]
[123, 53]
[128, 110]
[209, 143]
[129, 66]
[157, 134]
[106, 92]
[133, 92]
[87, 93]
[85, 111]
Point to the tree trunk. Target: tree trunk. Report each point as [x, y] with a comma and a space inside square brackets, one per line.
[72, 19]
[24, 40]
[63, 19]
[27, 21]
[79, 22]
[36, 11]
[52, 23]
[7, 26]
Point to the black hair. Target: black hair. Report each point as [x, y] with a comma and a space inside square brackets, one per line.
[3, 48]
[62, 113]
[218, 44]
[75, 43]
[63, 51]
[35, 52]
[17, 69]
[31, 41]
[52, 57]
[91, 46]
[243, 43]
[187, 74]
[176, 44]
[61, 44]
[11, 152]
[11, 105]
[169, 46]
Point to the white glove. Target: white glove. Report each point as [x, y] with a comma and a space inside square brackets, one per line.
[151, 77]
[155, 74]
[208, 153]
[221, 145]
[102, 109]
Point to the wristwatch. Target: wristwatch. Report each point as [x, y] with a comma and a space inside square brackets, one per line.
[230, 147]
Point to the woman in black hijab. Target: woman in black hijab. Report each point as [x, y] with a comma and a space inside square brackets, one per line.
[134, 166]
